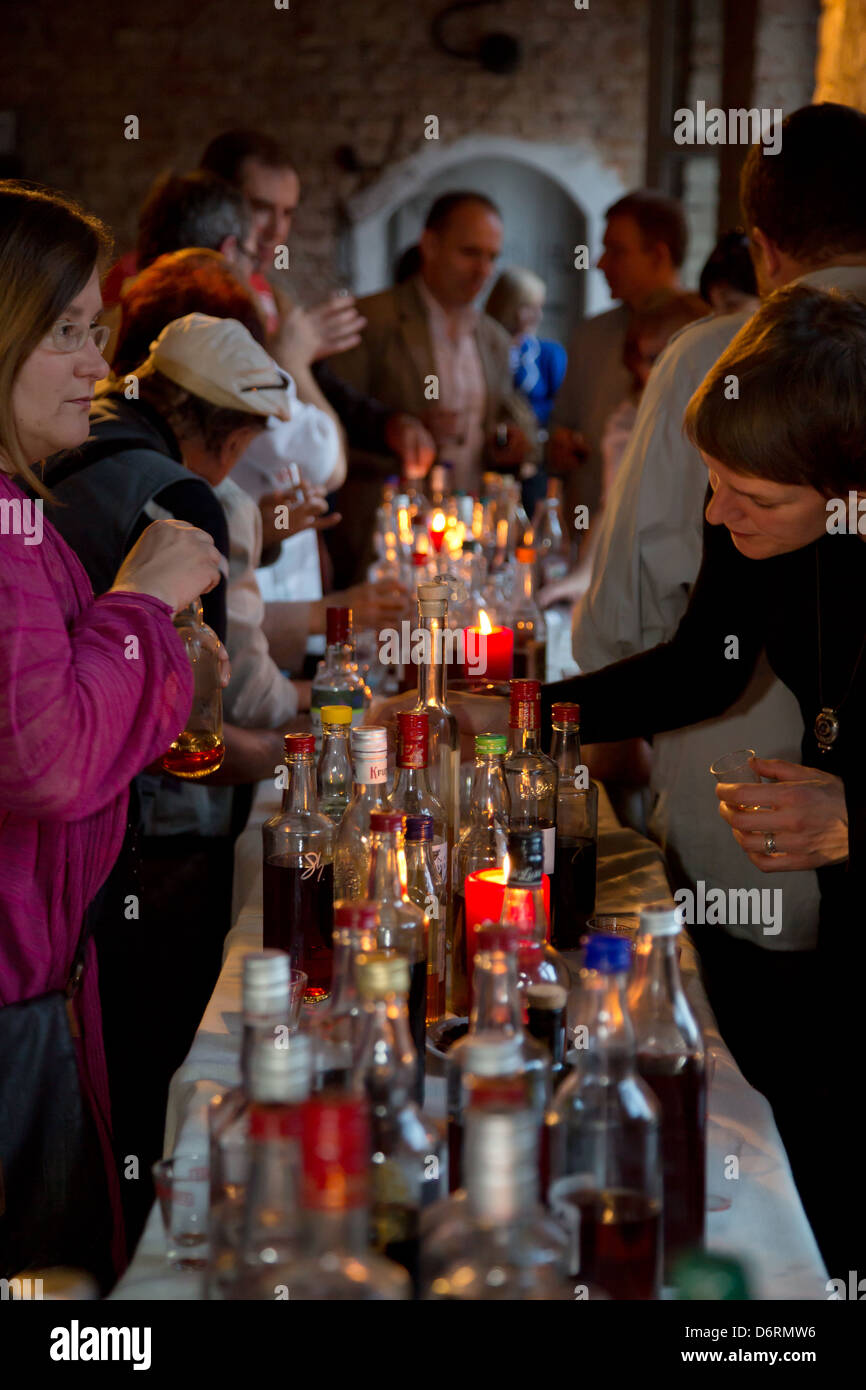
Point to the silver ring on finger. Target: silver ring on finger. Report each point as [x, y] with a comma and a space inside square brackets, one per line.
[769, 843]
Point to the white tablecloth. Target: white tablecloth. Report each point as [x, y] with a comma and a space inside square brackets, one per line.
[765, 1226]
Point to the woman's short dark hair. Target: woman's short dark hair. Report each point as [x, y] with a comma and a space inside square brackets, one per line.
[193, 281]
[729, 263]
[786, 401]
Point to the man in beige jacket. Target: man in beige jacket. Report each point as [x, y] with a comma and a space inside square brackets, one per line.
[427, 351]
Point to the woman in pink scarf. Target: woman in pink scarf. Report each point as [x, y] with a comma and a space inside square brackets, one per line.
[83, 706]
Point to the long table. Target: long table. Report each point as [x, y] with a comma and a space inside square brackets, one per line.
[764, 1226]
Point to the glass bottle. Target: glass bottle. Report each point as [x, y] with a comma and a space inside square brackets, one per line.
[497, 1014]
[338, 680]
[444, 735]
[337, 1264]
[426, 890]
[523, 924]
[604, 1138]
[200, 748]
[499, 1242]
[572, 900]
[483, 845]
[527, 619]
[547, 1022]
[256, 1223]
[352, 854]
[672, 1061]
[401, 925]
[550, 539]
[298, 874]
[411, 793]
[334, 1028]
[334, 768]
[405, 1151]
[532, 777]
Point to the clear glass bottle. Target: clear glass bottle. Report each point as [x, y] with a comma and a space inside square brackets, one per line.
[483, 845]
[497, 1014]
[334, 768]
[604, 1138]
[672, 1061]
[547, 1022]
[405, 1150]
[256, 1223]
[572, 900]
[532, 777]
[338, 680]
[411, 793]
[401, 925]
[337, 1264]
[426, 890]
[499, 1242]
[527, 620]
[523, 924]
[550, 539]
[200, 748]
[298, 872]
[334, 1028]
[352, 854]
[444, 735]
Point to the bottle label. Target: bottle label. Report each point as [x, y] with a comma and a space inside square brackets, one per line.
[440, 858]
[412, 753]
[549, 833]
[563, 1197]
[371, 768]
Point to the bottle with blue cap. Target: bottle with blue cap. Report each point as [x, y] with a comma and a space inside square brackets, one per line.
[672, 1061]
[604, 1140]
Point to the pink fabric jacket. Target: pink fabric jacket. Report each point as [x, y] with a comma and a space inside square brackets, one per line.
[91, 691]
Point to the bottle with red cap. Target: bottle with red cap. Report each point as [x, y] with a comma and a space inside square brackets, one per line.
[334, 1027]
[572, 900]
[411, 792]
[401, 924]
[338, 680]
[337, 1264]
[532, 777]
[527, 620]
[298, 874]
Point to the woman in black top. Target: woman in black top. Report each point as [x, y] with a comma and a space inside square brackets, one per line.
[781, 424]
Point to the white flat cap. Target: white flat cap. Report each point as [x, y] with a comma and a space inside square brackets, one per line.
[220, 360]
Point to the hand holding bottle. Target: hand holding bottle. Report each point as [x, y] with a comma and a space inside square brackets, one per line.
[172, 561]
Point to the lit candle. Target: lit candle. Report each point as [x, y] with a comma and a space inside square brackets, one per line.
[490, 648]
[437, 530]
[484, 894]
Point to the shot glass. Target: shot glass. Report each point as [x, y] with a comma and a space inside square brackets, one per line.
[297, 987]
[734, 767]
[183, 1187]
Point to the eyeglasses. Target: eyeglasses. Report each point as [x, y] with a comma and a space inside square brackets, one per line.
[69, 337]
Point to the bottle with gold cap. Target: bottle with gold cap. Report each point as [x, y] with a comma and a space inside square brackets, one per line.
[527, 619]
[334, 768]
[407, 1158]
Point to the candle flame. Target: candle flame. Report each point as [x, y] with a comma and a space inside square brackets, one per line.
[438, 522]
[502, 533]
[477, 520]
[484, 622]
[506, 868]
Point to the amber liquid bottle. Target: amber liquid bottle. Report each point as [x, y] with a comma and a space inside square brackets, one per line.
[199, 749]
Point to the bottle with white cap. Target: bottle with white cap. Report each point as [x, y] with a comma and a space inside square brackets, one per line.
[498, 1242]
[352, 856]
[252, 1229]
[672, 1061]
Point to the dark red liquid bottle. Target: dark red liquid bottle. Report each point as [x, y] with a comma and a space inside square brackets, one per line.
[298, 872]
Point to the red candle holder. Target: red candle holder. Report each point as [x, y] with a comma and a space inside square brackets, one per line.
[494, 651]
[484, 895]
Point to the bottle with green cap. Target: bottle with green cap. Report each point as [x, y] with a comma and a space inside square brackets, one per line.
[334, 768]
[482, 845]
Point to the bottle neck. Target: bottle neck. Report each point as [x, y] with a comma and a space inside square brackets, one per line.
[432, 683]
[335, 740]
[656, 987]
[387, 879]
[565, 749]
[526, 578]
[339, 656]
[523, 908]
[344, 988]
[341, 1229]
[410, 782]
[272, 1199]
[387, 1060]
[190, 616]
[490, 800]
[496, 998]
[257, 1028]
[609, 1050]
[525, 740]
[300, 793]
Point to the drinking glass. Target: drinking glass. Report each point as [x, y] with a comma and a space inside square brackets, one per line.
[297, 985]
[183, 1187]
[734, 767]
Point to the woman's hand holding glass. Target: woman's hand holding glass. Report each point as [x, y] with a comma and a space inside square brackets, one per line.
[802, 811]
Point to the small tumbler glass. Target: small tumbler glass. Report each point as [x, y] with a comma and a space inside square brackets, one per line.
[735, 767]
[183, 1187]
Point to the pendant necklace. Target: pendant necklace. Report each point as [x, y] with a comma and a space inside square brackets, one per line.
[827, 719]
